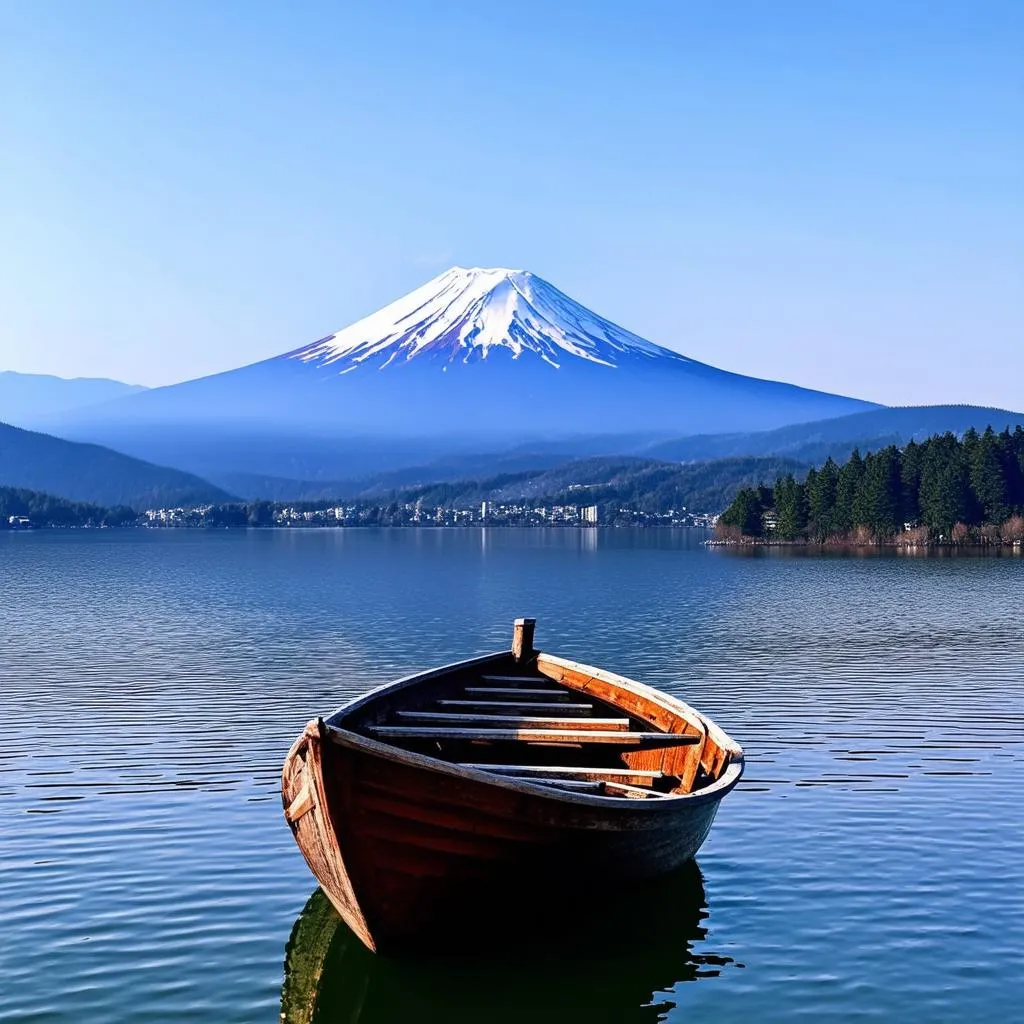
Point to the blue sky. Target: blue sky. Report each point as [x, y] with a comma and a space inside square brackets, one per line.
[831, 194]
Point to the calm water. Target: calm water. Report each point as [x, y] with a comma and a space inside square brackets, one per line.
[870, 864]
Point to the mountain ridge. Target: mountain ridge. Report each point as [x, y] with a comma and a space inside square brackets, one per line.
[29, 398]
[93, 474]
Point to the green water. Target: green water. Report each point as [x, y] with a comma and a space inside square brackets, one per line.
[871, 863]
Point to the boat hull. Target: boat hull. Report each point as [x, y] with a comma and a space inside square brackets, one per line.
[411, 850]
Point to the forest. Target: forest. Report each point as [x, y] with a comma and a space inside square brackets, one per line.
[46, 510]
[644, 485]
[944, 490]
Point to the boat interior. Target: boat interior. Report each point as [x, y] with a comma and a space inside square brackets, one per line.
[552, 723]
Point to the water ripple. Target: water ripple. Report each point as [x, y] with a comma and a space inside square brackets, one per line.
[872, 858]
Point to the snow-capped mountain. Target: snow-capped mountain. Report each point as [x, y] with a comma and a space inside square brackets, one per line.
[484, 359]
[463, 315]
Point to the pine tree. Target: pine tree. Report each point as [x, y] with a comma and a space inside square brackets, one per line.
[821, 499]
[988, 478]
[1013, 469]
[945, 484]
[790, 509]
[847, 486]
[745, 513]
[910, 482]
[878, 497]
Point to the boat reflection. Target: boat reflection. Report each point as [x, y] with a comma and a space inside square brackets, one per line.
[594, 958]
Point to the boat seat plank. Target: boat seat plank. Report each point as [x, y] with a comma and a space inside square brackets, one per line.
[586, 785]
[516, 679]
[639, 792]
[619, 737]
[530, 721]
[533, 705]
[518, 691]
[601, 787]
[549, 769]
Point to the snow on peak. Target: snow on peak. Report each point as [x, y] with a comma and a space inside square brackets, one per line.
[464, 313]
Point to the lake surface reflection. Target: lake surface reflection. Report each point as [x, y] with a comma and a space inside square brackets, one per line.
[871, 862]
[618, 960]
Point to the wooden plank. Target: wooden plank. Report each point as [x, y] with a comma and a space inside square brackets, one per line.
[601, 787]
[649, 705]
[579, 784]
[521, 692]
[639, 792]
[515, 679]
[621, 738]
[529, 721]
[533, 705]
[549, 769]
[302, 803]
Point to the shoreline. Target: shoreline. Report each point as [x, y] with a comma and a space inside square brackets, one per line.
[751, 543]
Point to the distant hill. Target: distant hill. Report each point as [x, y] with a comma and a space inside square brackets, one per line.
[648, 485]
[46, 510]
[643, 484]
[29, 399]
[814, 442]
[274, 488]
[99, 476]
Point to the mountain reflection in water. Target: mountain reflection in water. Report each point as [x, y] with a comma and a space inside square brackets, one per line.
[615, 960]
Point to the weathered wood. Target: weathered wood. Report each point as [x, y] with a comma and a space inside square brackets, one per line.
[646, 704]
[586, 785]
[518, 691]
[302, 803]
[530, 721]
[535, 705]
[405, 842]
[640, 792]
[522, 639]
[548, 769]
[622, 738]
[514, 679]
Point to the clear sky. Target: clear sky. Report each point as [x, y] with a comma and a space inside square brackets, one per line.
[826, 193]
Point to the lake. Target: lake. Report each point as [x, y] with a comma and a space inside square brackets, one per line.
[870, 863]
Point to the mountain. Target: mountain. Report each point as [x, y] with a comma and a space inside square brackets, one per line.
[251, 486]
[646, 485]
[27, 399]
[98, 476]
[815, 442]
[488, 357]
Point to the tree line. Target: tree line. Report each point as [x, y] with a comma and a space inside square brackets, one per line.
[945, 489]
[46, 510]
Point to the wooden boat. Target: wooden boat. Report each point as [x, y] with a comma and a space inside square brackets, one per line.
[454, 802]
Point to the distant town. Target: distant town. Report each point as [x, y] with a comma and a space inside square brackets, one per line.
[32, 510]
[262, 513]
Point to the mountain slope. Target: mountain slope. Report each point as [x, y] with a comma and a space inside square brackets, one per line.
[495, 356]
[814, 442]
[92, 474]
[465, 315]
[31, 398]
[646, 485]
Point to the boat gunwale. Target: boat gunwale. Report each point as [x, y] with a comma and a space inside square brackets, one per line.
[714, 792]
[666, 700]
